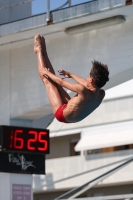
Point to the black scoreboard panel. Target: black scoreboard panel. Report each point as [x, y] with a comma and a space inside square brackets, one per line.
[22, 163]
[26, 140]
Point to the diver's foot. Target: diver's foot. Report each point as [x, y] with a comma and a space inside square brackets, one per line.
[38, 43]
[43, 44]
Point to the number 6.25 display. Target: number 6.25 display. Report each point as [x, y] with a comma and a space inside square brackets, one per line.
[26, 140]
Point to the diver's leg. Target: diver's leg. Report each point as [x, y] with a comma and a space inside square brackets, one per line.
[52, 90]
[62, 92]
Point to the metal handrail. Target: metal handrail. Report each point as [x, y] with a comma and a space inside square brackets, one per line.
[76, 190]
[48, 8]
[61, 6]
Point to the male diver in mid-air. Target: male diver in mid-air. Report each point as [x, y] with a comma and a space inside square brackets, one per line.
[89, 93]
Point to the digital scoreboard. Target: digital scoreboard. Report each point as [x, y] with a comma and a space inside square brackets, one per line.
[26, 140]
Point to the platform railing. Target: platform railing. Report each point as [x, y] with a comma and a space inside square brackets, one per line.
[68, 2]
[23, 9]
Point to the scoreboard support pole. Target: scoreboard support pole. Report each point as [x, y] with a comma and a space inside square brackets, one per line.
[16, 186]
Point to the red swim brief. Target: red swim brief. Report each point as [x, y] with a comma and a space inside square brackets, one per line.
[59, 113]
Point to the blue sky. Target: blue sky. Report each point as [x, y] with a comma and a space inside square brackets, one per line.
[39, 6]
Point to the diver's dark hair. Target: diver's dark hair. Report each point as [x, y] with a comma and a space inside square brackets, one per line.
[99, 73]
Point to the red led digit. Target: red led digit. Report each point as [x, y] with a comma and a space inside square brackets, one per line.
[45, 143]
[34, 133]
[18, 142]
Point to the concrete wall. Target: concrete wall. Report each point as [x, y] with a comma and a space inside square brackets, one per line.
[14, 13]
[27, 91]
[5, 88]
[88, 168]
[60, 146]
